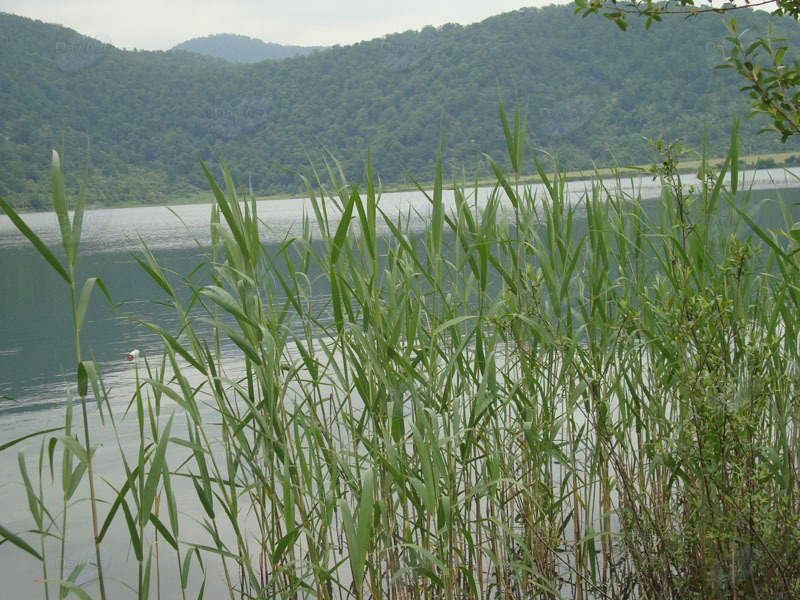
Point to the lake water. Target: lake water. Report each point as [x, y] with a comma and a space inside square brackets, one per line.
[37, 359]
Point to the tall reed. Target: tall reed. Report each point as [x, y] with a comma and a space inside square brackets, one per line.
[86, 376]
[511, 404]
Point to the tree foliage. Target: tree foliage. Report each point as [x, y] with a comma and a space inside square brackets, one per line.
[592, 93]
[773, 86]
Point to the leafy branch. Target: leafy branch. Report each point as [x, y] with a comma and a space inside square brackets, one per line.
[774, 87]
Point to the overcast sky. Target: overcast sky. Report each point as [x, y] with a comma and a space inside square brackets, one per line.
[161, 24]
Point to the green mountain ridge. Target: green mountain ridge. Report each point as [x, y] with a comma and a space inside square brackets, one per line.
[590, 91]
[242, 48]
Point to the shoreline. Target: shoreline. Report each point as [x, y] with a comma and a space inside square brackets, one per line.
[605, 174]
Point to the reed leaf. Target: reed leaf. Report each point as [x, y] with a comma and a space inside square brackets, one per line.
[45, 252]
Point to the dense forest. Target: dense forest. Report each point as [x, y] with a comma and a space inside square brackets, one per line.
[590, 91]
[243, 49]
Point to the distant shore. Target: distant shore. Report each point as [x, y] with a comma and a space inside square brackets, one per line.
[765, 161]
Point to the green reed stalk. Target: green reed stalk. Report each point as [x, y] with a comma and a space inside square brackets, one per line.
[70, 237]
[528, 395]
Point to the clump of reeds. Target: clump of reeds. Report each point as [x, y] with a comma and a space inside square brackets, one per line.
[508, 405]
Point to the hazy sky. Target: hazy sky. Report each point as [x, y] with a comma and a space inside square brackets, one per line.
[160, 24]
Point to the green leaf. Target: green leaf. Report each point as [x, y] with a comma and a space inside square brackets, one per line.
[156, 468]
[83, 301]
[515, 143]
[120, 499]
[527, 428]
[763, 235]
[205, 497]
[344, 225]
[229, 209]
[152, 268]
[60, 205]
[284, 543]
[437, 216]
[503, 181]
[83, 380]
[18, 542]
[73, 480]
[46, 253]
[80, 205]
[794, 232]
[187, 563]
[34, 502]
[734, 155]
[136, 541]
[144, 591]
[397, 422]
[70, 585]
[350, 535]
[74, 447]
[164, 531]
[25, 437]
[173, 343]
[225, 300]
[365, 509]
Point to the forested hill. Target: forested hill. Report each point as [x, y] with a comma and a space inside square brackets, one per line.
[591, 92]
[241, 48]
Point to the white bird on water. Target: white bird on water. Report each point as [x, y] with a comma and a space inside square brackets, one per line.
[133, 355]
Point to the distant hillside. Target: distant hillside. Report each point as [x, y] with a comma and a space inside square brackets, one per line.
[591, 94]
[242, 49]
